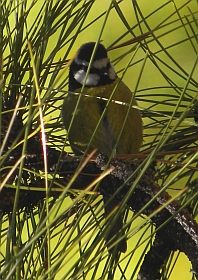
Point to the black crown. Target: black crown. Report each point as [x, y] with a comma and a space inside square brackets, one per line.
[86, 50]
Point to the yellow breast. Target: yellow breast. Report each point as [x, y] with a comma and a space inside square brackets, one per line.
[120, 121]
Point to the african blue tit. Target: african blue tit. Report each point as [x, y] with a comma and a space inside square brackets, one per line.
[121, 124]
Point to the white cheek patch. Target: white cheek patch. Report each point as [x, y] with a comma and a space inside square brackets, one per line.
[100, 63]
[112, 73]
[92, 79]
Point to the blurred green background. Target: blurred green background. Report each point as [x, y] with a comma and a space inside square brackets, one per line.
[166, 19]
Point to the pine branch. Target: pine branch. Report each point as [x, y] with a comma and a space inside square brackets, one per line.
[175, 227]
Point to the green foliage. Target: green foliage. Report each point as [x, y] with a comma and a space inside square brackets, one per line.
[63, 238]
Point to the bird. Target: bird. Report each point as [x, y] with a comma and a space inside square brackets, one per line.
[96, 87]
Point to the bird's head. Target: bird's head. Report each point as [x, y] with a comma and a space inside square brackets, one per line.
[101, 71]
